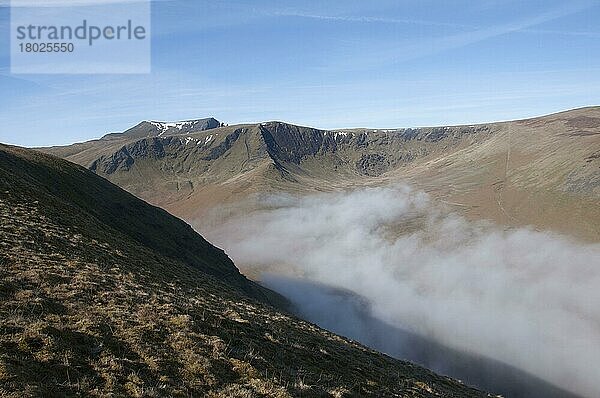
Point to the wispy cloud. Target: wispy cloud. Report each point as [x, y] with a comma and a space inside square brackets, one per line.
[591, 35]
[373, 56]
[464, 39]
[370, 19]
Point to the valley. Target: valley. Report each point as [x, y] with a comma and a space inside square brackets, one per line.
[103, 294]
[435, 228]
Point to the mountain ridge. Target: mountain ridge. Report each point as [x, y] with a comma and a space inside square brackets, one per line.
[151, 128]
[492, 171]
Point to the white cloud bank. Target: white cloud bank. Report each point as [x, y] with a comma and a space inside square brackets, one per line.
[526, 298]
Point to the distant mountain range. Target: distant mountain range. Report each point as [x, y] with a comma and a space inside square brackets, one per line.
[103, 294]
[542, 172]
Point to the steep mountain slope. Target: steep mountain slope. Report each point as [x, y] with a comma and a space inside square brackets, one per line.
[69, 187]
[102, 294]
[543, 172]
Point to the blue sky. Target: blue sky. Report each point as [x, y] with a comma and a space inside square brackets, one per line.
[327, 64]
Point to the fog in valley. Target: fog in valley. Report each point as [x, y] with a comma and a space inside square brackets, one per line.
[513, 311]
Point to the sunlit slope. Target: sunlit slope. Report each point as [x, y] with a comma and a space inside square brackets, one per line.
[543, 172]
[103, 294]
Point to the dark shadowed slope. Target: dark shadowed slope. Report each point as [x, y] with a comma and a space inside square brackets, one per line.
[102, 294]
[70, 190]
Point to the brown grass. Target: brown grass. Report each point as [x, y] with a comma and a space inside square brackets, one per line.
[88, 311]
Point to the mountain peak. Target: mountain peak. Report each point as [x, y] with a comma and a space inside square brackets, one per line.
[152, 128]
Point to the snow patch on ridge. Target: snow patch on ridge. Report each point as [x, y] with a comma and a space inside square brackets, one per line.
[165, 126]
[337, 134]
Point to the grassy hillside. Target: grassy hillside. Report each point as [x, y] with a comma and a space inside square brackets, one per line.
[102, 294]
[543, 172]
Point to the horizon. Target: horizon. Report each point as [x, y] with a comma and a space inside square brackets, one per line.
[324, 129]
[337, 65]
